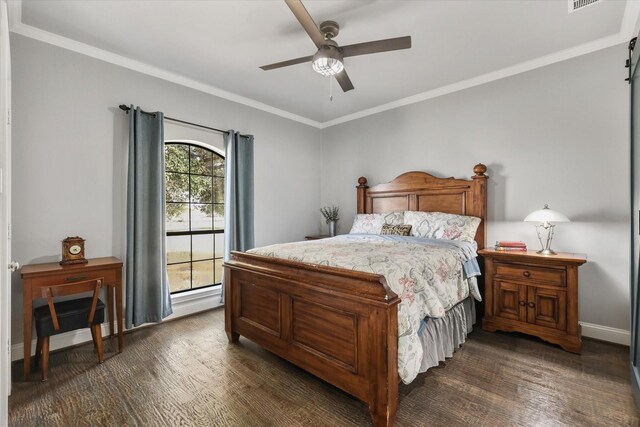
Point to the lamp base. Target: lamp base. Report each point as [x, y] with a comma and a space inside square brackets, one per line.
[546, 252]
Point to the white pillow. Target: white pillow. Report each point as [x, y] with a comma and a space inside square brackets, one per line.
[439, 225]
[372, 223]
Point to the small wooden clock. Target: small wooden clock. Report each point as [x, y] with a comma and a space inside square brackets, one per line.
[73, 251]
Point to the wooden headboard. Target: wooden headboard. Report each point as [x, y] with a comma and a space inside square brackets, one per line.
[420, 191]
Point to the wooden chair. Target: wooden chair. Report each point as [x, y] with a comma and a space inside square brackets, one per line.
[69, 315]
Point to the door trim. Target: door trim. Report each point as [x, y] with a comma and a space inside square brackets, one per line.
[634, 175]
[5, 213]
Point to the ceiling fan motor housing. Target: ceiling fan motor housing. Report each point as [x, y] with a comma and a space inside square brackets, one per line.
[329, 29]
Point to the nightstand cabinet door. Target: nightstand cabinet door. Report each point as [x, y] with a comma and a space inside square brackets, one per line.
[547, 307]
[510, 300]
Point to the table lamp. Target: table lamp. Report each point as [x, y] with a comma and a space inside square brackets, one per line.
[545, 217]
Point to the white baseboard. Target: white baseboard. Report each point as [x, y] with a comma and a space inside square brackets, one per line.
[206, 299]
[605, 333]
[67, 339]
[182, 304]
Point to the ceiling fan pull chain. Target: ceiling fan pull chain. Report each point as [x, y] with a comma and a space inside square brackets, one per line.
[330, 88]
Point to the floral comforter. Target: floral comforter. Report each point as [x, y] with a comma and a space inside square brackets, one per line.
[428, 277]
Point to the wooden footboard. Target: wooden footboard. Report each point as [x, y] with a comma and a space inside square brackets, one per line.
[342, 325]
[337, 324]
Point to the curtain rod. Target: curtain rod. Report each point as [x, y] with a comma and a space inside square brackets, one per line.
[125, 108]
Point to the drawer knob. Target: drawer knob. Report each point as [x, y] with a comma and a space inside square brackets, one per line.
[522, 303]
[526, 274]
[532, 304]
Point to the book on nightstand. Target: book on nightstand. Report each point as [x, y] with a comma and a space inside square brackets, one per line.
[504, 245]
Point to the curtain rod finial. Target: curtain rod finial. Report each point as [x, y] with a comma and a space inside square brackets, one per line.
[124, 107]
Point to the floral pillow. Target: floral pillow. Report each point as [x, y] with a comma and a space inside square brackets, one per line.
[439, 225]
[396, 230]
[372, 223]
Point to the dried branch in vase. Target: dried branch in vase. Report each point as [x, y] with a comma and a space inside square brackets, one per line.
[330, 213]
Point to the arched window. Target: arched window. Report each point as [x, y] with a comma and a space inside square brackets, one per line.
[194, 216]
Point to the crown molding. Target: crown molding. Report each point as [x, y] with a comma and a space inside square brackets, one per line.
[141, 67]
[14, 8]
[629, 28]
[630, 20]
[523, 67]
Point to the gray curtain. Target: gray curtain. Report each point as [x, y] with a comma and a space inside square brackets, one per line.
[148, 296]
[238, 191]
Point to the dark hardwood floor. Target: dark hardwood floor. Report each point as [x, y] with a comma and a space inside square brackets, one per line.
[184, 372]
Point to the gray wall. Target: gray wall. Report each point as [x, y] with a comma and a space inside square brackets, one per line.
[69, 144]
[556, 135]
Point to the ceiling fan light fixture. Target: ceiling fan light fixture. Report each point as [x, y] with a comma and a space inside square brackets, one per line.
[327, 61]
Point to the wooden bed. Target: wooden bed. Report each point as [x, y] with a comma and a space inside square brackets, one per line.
[341, 325]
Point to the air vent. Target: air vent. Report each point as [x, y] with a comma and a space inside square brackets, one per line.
[580, 4]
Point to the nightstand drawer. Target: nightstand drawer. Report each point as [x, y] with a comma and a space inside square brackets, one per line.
[526, 273]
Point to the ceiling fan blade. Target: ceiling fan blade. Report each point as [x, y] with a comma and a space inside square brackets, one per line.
[306, 21]
[376, 46]
[344, 80]
[287, 63]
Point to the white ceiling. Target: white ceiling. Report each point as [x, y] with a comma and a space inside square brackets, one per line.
[219, 45]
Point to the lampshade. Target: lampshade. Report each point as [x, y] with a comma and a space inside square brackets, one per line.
[327, 61]
[546, 215]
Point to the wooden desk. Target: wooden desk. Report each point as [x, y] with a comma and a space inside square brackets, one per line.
[36, 276]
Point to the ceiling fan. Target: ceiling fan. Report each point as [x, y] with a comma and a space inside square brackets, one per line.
[328, 60]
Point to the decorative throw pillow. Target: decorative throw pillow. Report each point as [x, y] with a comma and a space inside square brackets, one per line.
[439, 225]
[397, 230]
[372, 223]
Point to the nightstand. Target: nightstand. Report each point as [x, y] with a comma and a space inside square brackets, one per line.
[317, 237]
[533, 294]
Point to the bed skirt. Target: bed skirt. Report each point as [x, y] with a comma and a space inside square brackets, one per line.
[441, 337]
